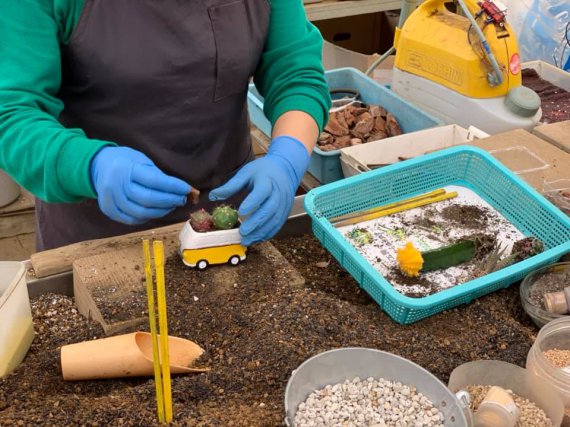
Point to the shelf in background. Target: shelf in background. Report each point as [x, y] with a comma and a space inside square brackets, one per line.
[329, 9]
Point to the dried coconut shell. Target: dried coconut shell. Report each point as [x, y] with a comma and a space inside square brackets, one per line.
[377, 135]
[328, 147]
[337, 125]
[325, 138]
[342, 142]
[361, 110]
[379, 125]
[392, 125]
[376, 111]
[349, 115]
[363, 126]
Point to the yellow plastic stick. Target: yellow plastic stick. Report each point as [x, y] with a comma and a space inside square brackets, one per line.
[396, 209]
[158, 249]
[152, 322]
[429, 195]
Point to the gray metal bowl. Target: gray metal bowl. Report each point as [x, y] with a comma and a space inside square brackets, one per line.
[336, 366]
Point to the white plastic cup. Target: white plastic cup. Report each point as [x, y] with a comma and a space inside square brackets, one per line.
[497, 409]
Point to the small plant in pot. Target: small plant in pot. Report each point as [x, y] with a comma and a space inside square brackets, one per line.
[211, 238]
[223, 217]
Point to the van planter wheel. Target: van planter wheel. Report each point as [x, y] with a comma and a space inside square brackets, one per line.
[202, 264]
[234, 260]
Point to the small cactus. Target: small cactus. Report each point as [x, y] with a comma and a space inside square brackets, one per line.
[361, 236]
[527, 247]
[224, 217]
[201, 221]
[522, 249]
[492, 262]
[449, 256]
[410, 260]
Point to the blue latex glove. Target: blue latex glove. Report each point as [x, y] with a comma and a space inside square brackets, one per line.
[273, 181]
[131, 189]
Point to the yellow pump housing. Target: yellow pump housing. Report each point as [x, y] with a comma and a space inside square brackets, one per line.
[434, 44]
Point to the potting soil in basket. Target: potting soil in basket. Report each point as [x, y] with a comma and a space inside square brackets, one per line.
[431, 227]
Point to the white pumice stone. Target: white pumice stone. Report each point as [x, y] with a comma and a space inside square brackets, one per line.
[368, 403]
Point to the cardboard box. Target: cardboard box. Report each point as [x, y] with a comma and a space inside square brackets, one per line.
[532, 158]
[557, 134]
[338, 57]
[369, 33]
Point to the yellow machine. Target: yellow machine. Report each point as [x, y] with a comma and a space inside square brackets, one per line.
[460, 62]
[214, 247]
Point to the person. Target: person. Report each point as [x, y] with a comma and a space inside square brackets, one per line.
[110, 111]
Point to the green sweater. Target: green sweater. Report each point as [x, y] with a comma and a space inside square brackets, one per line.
[52, 161]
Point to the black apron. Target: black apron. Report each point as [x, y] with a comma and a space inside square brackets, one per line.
[168, 78]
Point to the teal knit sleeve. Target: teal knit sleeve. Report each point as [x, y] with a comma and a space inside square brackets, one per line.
[49, 160]
[291, 75]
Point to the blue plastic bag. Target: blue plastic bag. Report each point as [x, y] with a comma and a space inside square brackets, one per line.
[540, 26]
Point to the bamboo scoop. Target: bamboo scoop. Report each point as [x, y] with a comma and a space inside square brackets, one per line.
[128, 355]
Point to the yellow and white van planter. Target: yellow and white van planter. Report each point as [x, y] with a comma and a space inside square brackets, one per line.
[200, 249]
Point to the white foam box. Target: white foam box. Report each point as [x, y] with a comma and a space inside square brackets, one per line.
[16, 325]
[364, 157]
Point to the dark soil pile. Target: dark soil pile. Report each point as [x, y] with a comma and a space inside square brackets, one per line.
[555, 100]
[254, 336]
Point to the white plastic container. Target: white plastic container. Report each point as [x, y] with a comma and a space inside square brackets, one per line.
[360, 158]
[555, 334]
[9, 190]
[16, 326]
[510, 377]
[488, 114]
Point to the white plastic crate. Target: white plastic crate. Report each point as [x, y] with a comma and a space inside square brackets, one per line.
[364, 157]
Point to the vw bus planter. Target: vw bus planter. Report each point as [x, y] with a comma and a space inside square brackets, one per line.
[212, 247]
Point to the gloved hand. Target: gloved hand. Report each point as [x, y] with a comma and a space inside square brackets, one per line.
[273, 181]
[131, 189]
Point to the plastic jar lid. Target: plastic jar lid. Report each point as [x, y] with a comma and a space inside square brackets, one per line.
[522, 101]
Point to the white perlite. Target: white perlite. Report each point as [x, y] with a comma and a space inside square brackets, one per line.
[388, 233]
[368, 403]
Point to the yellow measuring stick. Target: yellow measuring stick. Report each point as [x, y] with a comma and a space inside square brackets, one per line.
[405, 207]
[152, 321]
[429, 195]
[158, 250]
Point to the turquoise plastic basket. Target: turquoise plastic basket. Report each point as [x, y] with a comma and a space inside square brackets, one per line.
[470, 167]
